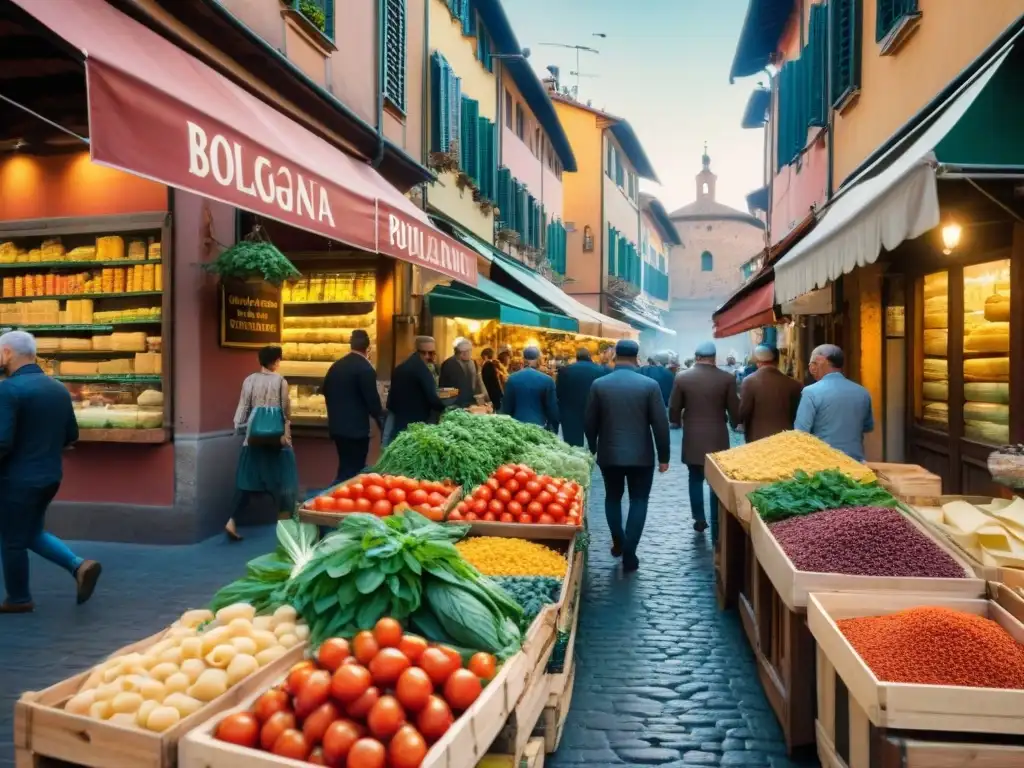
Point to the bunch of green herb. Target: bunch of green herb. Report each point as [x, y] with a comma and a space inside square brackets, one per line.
[266, 576]
[559, 461]
[405, 567]
[253, 258]
[805, 493]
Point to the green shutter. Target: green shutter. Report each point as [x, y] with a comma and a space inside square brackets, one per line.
[844, 47]
[440, 114]
[504, 198]
[611, 249]
[469, 144]
[394, 52]
[890, 13]
[816, 54]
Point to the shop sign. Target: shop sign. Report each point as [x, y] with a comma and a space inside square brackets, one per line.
[895, 322]
[250, 314]
[342, 199]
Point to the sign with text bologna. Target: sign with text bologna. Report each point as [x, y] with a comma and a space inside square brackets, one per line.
[250, 314]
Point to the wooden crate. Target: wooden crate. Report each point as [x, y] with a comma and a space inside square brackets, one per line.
[903, 706]
[308, 514]
[746, 598]
[43, 732]
[926, 514]
[909, 483]
[785, 664]
[732, 494]
[730, 553]
[793, 586]
[462, 747]
[552, 723]
[572, 590]
[533, 757]
[534, 532]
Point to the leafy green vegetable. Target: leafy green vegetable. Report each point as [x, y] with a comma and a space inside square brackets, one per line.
[559, 461]
[531, 592]
[804, 494]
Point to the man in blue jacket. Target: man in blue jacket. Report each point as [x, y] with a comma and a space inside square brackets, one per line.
[573, 388]
[660, 373]
[37, 422]
[530, 395]
[627, 427]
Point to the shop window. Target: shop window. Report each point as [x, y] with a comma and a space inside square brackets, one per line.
[394, 54]
[987, 352]
[588, 238]
[321, 310]
[95, 306]
[935, 350]
[707, 262]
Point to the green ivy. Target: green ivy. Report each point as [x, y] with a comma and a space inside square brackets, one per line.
[253, 258]
[314, 13]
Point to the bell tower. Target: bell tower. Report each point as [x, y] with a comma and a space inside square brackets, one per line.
[706, 179]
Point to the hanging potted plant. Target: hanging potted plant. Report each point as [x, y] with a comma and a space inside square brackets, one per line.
[253, 258]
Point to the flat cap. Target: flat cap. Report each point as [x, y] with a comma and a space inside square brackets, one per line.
[706, 349]
[626, 348]
[531, 353]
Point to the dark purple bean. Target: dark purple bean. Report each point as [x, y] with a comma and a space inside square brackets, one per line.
[863, 541]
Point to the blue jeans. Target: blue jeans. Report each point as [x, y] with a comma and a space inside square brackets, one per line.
[22, 514]
[640, 480]
[697, 499]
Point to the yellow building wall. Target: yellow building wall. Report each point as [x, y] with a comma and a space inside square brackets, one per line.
[582, 203]
[445, 36]
[950, 35]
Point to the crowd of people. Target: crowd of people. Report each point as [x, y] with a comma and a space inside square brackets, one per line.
[619, 409]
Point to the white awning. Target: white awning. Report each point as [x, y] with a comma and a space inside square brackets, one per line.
[894, 199]
[638, 319]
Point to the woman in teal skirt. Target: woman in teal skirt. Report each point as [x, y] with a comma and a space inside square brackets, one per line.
[266, 469]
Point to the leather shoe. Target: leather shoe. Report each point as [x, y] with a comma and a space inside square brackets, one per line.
[630, 566]
[8, 607]
[616, 549]
[86, 576]
[700, 526]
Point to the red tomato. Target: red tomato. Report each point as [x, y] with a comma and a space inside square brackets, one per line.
[495, 507]
[381, 508]
[523, 476]
[525, 519]
[276, 724]
[273, 701]
[396, 495]
[493, 484]
[410, 484]
[361, 706]
[438, 665]
[557, 511]
[242, 728]
[545, 498]
[356, 489]
[461, 689]
[504, 474]
[562, 499]
[338, 741]
[314, 693]
[363, 505]
[524, 497]
[292, 744]
[386, 717]
[332, 652]
[417, 497]
[436, 499]
[533, 487]
[316, 724]
[341, 492]
[372, 478]
[545, 519]
[376, 492]
[471, 516]
[515, 508]
[367, 753]
[503, 495]
[346, 505]
[535, 509]
[483, 493]
[551, 488]
[455, 515]
[407, 749]
[479, 507]
[513, 486]
[489, 517]
[326, 503]
[507, 517]
[388, 665]
[434, 719]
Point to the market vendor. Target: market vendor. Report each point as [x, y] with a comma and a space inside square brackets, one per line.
[530, 395]
[460, 372]
[834, 409]
[494, 374]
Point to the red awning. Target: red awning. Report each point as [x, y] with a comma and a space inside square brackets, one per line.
[156, 111]
[751, 311]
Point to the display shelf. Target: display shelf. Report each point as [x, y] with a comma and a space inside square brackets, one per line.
[116, 378]
[76, 264]
[345, 307]
[157, 435]
[64, 296]
[71, 328]
[87, 353]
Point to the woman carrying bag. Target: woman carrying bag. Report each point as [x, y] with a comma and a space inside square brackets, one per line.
[267, 462]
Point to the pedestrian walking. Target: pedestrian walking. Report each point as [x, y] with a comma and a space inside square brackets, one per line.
[267, 461]
[704, 403]
[530, 394]
[494, 375]
[413, 398]
[572, 389]
[460, 372]
[353, 402]
[658, 370]
[627, 429]
[768, 397]
[607, 355]
[37, 423]
[835, 409]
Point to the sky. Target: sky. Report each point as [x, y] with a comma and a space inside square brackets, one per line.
[664, 66]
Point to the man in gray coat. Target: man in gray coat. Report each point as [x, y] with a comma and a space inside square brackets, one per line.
[624, 412]
[704, 401]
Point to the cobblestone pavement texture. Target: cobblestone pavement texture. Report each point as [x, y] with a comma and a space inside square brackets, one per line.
[663, 678]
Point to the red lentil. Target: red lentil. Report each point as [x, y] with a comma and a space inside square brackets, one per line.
[937, 646]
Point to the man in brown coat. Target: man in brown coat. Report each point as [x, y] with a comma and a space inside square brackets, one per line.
[704, 401]
[768, 398]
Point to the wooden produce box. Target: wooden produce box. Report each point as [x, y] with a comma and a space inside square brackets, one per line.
[309, 514]
[909, 483]
[43, 730]
[845, 684]
[463, 746]
[926, 514]
[533, 757]
[793, 586]
[732, 494]
[531, 531]
[732, 552]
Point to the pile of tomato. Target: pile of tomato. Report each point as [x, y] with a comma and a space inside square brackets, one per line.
[517, 494]
[378, 700]
[381, 495]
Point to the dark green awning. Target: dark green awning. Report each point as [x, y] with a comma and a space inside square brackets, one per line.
[490, 301]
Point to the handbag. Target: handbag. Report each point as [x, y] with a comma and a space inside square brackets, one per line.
[266, 425]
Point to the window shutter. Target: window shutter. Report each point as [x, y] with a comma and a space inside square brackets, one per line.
[844, 49]
[394, 52]
[816, 54]
[505, 198]
[611, 250]
[469, 145]
[611, 161]
[454, 112]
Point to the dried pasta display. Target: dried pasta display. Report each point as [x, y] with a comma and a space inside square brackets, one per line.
[934, 411]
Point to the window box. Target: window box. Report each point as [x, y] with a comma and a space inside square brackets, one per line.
[895, 22]
[314, 20]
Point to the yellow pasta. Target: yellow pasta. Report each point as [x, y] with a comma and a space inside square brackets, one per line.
[780, 456]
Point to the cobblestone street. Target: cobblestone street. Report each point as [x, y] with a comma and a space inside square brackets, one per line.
[663, 678]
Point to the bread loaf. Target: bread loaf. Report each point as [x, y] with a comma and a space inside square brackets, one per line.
[989, 369]
[936, 370]
[997, 309]
[936, 343]
[938, 320]
[988, 337]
